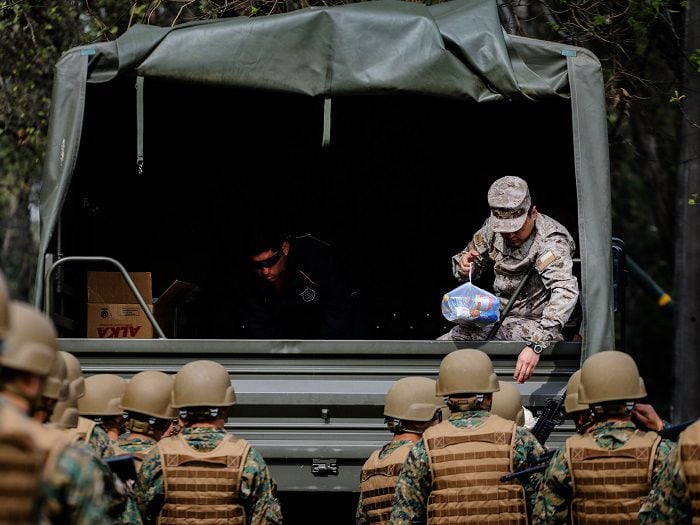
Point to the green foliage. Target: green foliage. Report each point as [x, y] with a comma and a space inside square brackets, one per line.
[695, 59]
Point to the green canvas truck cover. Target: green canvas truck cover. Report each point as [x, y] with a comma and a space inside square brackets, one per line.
[456, 50]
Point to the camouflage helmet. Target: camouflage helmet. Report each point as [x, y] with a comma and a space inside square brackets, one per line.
[466, 371]
[149, 393]
[4, 308]
[203, 384]
[508, 404]
[412, 399]
[571, 404]
[74, 374]
[56, 384]
[31, 344]
[610, 376]
[103, 395]
[65, 413]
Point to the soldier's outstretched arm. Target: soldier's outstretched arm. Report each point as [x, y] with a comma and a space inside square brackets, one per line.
[555, 493]
[258, 492]
[555, 268]
[412, 488]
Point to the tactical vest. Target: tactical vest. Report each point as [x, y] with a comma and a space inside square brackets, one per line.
[19, 474]
[85, 428]
[21, 462]
[378, 483]
[466, 466]
[138, 455]
[689, 443]
[202, 487]
[609, 485]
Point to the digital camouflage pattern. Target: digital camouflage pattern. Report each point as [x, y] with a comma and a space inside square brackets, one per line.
[100, 442]
[360, 517]
[509, 200]
[131, 445]
[73, 490]
[669, 499]
[81, 490]
[257, 487]
[415, 479]
[556, 491]
[549, 297]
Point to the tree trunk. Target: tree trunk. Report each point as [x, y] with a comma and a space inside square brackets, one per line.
[686, 395]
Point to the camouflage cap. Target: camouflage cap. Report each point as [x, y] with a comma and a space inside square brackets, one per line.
[509, 199]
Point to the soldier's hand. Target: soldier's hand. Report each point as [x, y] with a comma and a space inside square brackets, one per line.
[647, 416]
[527, 361]
[466, 260]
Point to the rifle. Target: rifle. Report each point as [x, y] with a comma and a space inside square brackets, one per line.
[509, 306]
[673, 432]
[549, 417]
[540, 464]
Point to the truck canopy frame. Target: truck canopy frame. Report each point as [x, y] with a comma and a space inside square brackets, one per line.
[455, 50]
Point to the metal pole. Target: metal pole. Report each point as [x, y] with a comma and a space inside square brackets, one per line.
[80, 258]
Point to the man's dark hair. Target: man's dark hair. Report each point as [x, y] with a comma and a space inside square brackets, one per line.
[262, 241]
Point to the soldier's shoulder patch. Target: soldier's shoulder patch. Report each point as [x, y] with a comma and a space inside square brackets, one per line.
[545, 260]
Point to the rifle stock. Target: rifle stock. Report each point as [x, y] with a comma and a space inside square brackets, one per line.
[540, 464]
[548, 419]
[673, 432]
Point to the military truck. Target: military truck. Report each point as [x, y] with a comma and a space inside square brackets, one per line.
[376, 127]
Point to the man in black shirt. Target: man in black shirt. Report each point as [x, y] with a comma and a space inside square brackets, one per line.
[297, 292]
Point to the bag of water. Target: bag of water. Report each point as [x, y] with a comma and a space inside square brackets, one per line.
[470, 304]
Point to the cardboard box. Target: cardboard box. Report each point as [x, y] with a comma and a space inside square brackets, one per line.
[165, 307]
[112, 309]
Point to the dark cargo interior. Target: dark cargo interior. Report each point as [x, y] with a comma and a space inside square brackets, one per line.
[401, 187]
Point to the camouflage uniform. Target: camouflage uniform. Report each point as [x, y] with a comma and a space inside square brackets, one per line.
[556, 491]
[669, 499]
[361, 517]
[415, 479]
[257, 487]
[128, 445]
[547, 300]
[99, 441]
[73, 490]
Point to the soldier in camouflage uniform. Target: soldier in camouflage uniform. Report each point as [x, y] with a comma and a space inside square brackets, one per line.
[611, 453]
[55, 391]
[174, 482]
[103, 395]
[512, 241]
[675, 496]
[146, 406]
[452, 475]
[411, 406]
[71, 489]
[508, 404]
[88, 431]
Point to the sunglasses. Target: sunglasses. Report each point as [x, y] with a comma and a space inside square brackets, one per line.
[267, 263]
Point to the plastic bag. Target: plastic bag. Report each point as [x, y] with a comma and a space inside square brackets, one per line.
[470, 304]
